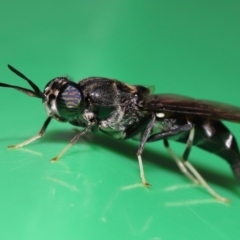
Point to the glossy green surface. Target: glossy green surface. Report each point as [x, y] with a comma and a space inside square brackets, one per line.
[185, 47]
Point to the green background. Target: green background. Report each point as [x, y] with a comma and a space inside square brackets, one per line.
[184, 47]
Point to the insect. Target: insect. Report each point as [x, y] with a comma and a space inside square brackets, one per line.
[130, 111]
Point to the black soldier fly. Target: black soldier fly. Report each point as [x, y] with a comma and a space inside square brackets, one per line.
[130, 111]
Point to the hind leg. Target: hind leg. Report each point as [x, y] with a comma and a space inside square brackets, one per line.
[189, 170]
[179, 163]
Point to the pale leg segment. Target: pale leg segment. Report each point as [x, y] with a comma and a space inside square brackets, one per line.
[180, 163]
[142, 175]
[141, 146]
[190, 171]
[73, 141]
[204, 183]
[32, 139]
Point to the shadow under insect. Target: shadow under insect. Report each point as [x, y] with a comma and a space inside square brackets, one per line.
[152, 156]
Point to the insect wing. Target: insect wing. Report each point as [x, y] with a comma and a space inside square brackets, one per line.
[186, 105]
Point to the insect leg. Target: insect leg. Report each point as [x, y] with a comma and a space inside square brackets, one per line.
[39, 135]
[179, 162]
[164, 135]
[172, 132]
[185, 166]
[73, 141]
[194, 171]
[141, 146]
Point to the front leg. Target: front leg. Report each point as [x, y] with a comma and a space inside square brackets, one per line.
[32, 139]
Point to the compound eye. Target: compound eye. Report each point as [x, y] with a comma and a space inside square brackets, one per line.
[69, 101]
